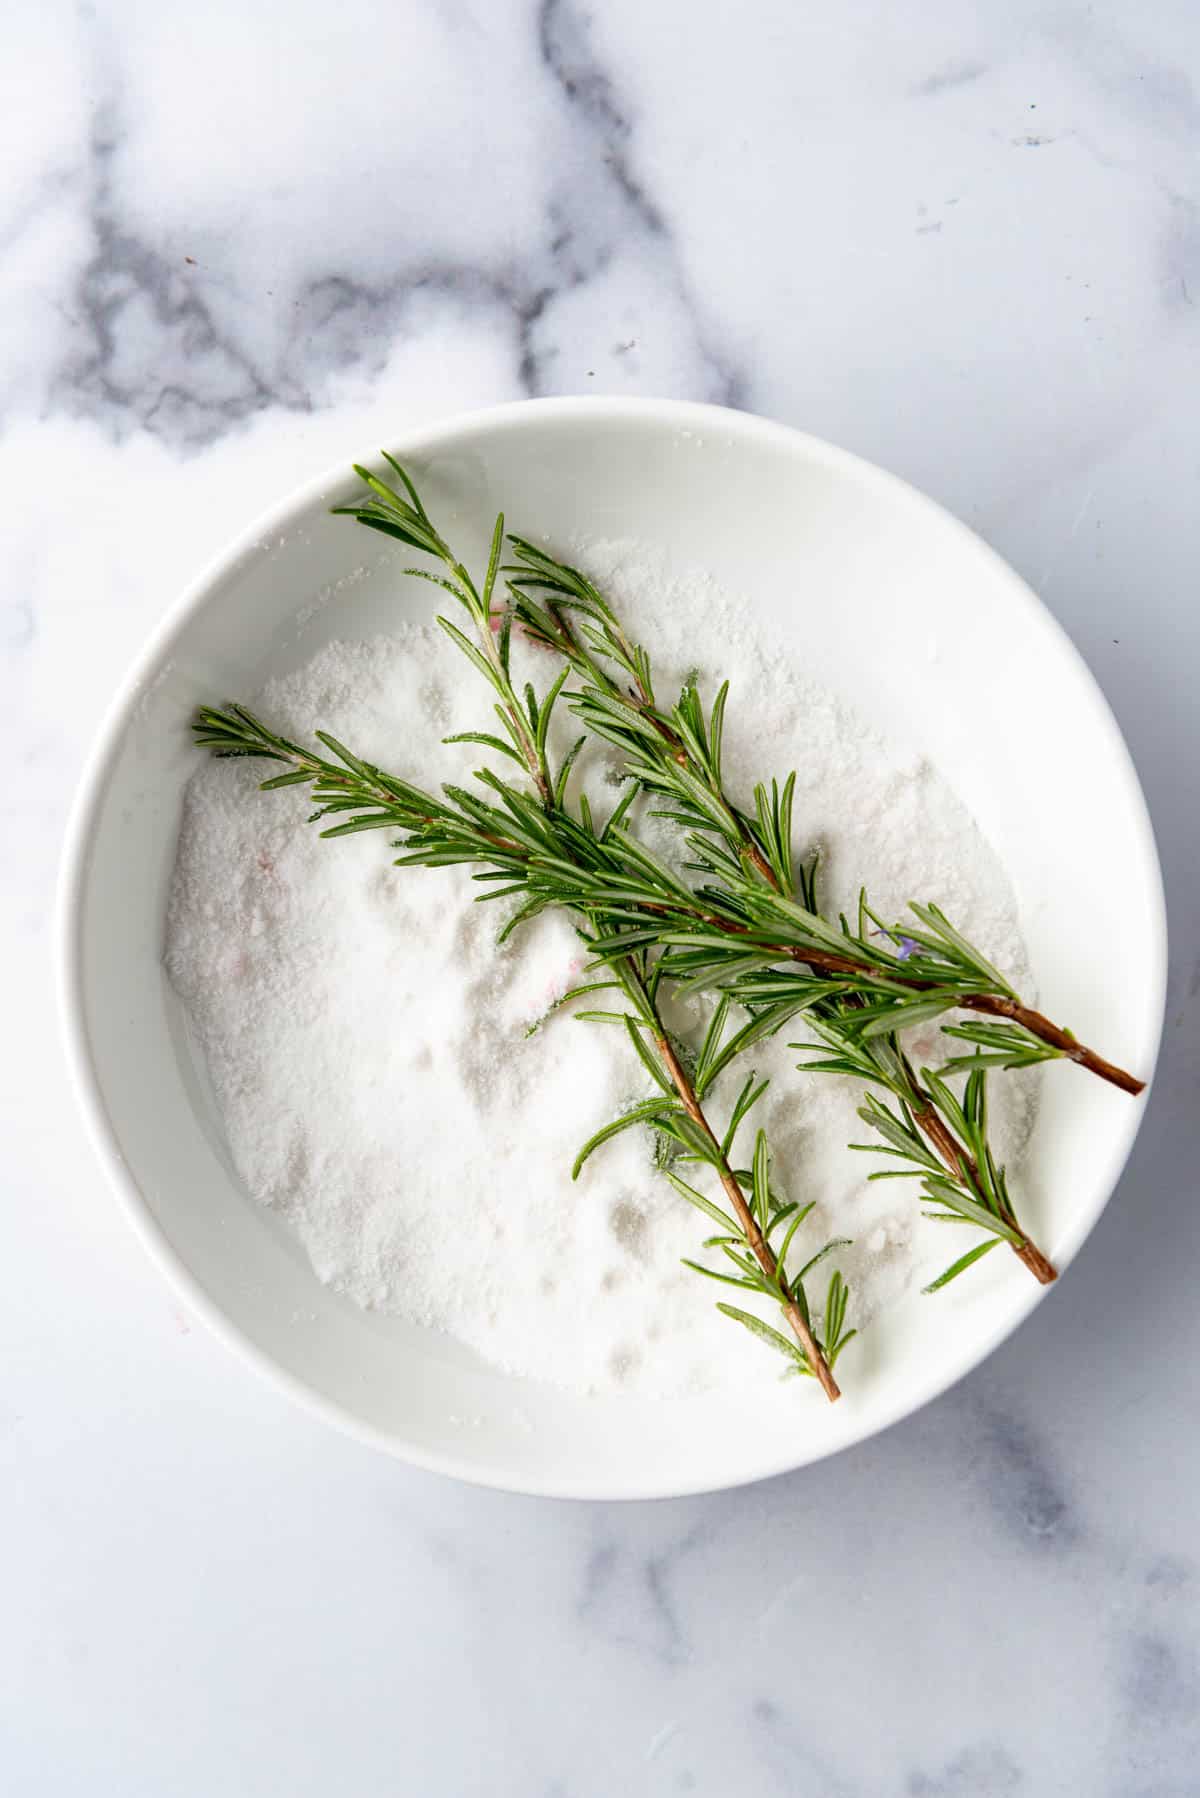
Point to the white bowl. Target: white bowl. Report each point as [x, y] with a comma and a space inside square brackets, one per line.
[863, 574]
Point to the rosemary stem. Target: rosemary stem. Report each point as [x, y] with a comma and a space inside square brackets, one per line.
[1040, 1026]
[962, 1167]
[1043, 1271]
[992, 1004]
[762, 1251]
[535, 762]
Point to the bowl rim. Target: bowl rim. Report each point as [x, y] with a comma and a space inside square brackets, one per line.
[97, 769]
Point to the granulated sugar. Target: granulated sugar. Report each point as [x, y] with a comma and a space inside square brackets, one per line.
[371, 1051]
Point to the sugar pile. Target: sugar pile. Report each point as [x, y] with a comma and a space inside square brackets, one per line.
[370, 1049]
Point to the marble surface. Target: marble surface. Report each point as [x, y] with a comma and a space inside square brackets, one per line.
[241, 241]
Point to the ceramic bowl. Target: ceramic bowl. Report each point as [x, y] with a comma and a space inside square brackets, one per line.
[862, 574]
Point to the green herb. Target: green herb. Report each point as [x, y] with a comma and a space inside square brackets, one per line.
[676, 754]
[542, 853]
[858, 995]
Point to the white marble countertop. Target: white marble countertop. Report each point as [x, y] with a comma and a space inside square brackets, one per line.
[240, 242]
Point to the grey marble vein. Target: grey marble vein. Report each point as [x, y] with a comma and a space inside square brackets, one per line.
[986, 1771]
[154, 342]
[1013, 1475]
[955, 74]
[593, 219]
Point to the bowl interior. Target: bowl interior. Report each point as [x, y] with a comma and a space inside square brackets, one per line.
[886, 600]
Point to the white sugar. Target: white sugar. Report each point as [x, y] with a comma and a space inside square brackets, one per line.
[370, 1049]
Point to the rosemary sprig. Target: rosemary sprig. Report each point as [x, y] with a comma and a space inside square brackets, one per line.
[403, 517]
[677, 755]
[942, 1138]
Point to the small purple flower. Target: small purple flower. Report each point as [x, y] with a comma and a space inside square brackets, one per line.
[905, 947]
